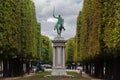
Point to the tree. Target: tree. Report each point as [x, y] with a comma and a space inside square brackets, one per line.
[77, 40]
[46, 50]
[18, 32]
[69, 51]
[99, 37]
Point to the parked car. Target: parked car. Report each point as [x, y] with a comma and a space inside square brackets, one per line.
[34, 68]
[47, 66]
[79, 68]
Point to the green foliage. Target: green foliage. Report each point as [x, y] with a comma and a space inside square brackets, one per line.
[46, 49]
[89, 33]
[70, 50]
[50, 52]
[111, 23]
[77, 39]
[9, 26]
[18, 29]
[99, 28]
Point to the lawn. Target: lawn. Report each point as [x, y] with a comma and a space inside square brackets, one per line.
[40, 76]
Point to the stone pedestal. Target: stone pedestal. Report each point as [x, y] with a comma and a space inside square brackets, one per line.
[59, 58]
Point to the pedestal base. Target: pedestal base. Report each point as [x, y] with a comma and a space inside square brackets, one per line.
[59, 72]
[58, 38]
[59, 76]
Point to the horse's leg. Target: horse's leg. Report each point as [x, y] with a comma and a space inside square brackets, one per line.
[57, 33]
[63, 28]
[60, 32]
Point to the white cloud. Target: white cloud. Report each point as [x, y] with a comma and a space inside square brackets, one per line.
[52, 20]
[68, 9]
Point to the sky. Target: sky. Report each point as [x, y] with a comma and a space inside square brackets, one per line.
[68, 9]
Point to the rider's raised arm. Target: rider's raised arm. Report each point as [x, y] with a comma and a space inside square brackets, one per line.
[55, 16]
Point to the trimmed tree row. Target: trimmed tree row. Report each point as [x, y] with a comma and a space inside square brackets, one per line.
[19, 36]
[98, 38]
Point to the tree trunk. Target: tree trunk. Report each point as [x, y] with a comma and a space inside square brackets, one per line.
[99, 69]
[21, 67]
[5, 68]
[11, 69]
[92, 70]
[83, 67]
[116, 69]
[86, 68]
[89, 69]
[28, 67]
[96, 69]
[109, 70]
